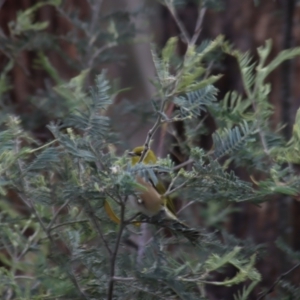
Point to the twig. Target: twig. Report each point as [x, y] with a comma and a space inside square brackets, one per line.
[90, 213]
[28, 201]
[76, 283]
[142, 242]
[116, 278]
[32, 207]
[175, 189]
[57, 214]
[152, 131]
[199, 22]
[261, 133]
[130, 220]
[185, 206]
[90, 32]
[11, 57]
[68, 223]
[201, 13]
[43, 146]
[171, 184]
[277, 281]
[99, 51]
[112, 197]
[24, 277]
[95, 14]
[178, 21]
[189, 161]
[114, 254]
[29, 244]
[208, 69]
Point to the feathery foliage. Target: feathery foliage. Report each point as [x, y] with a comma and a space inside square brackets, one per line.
[57, 238]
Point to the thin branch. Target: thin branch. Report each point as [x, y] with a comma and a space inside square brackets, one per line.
[28, 201]
[43, 146]
[208, 69]
[77, 285]
[116, 278]
[91, 31]
[277, 281]
[189, 161]
[32, 207]
[24, 277]
[175, 189]
[171, 184]
[95, 14]
[149, 292]
[201, 14]
[22, 67]
[152, 131]
[114, 254]
[99, 51]
[68, 223]
[112, 197]
[181, 27]
[90, 213]
[185, 206]
[142, 242]
[130, 220]
[28, 245]
[57, 214]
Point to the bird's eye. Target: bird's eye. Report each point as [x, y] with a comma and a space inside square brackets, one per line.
[139, 201]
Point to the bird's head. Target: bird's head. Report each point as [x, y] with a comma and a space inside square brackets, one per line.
[136, 153]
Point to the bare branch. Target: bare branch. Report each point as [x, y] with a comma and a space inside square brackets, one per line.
[114, 254]
[199, 23]
[181, 27]
[68, 223]
[90, 213]
[176, 189]
[270, 290]
[57, 214]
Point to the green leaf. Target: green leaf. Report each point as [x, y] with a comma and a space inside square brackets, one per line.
[169, 49]
[25, 19]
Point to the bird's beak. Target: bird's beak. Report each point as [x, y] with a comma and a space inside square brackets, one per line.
[131, 153]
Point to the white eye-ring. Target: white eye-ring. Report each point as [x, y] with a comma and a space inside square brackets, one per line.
[139, 201]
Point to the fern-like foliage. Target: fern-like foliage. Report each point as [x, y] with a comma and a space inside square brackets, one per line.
[58, 238]
[193, 103]
[226, 141]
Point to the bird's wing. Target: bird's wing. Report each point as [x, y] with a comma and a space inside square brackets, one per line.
[167, 201]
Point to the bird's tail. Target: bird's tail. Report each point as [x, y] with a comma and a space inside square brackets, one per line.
[177, 226]
[168, 220]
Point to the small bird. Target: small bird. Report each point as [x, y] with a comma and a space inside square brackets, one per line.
[157, 189]
[152, 203]
[150, 158]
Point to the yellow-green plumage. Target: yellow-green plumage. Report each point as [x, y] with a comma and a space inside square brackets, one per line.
[151, 202]
[150, 158]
